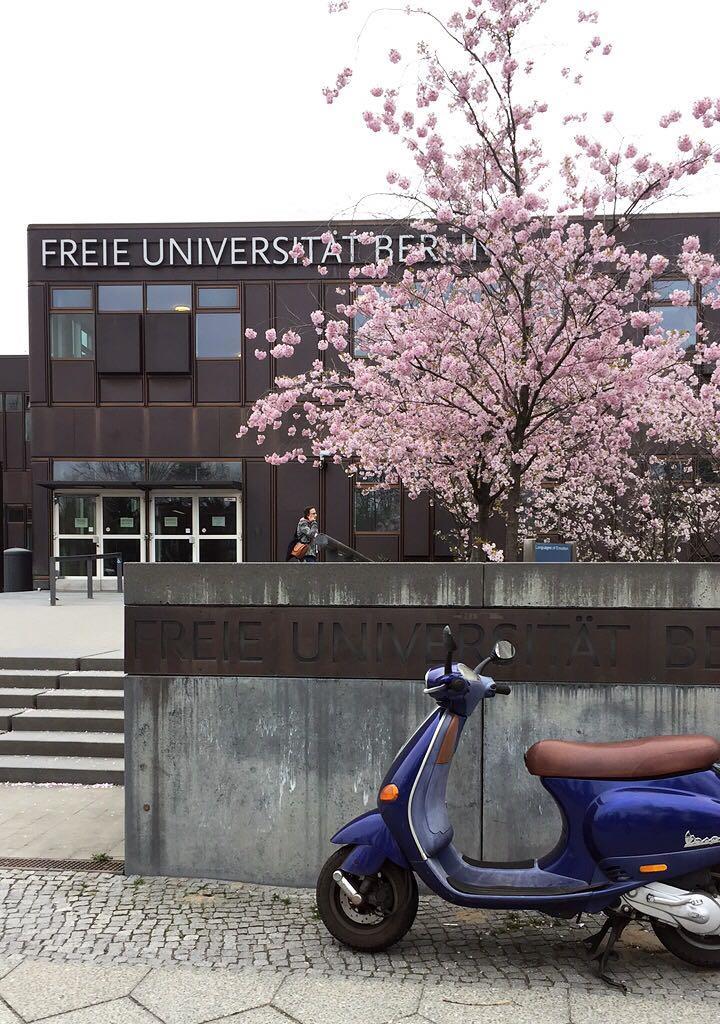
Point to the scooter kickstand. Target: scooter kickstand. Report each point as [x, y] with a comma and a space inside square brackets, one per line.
[615, 926]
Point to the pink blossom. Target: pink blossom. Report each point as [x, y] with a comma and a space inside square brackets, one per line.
[271, 335]
[394, 57]
[260, 354]
[684, 144]
[297, 251]
[250, 334]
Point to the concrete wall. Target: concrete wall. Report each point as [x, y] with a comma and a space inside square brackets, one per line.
[248, 777]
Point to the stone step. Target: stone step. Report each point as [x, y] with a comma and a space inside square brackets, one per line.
[106, 700]
[6, 715]
[66, 720]
[19, 697]
[62, 744]
[94, 663]
[89, 771]
[92, 681]
[33, 679]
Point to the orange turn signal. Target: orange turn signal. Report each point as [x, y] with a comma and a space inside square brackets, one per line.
[389, 793]
[648, 869]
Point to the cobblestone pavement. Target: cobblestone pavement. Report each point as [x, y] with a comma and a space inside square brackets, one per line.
[104, 919]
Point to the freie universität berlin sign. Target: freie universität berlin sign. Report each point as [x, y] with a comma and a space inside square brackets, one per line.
[234, 250]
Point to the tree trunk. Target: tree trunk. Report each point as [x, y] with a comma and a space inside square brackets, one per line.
[512, 517]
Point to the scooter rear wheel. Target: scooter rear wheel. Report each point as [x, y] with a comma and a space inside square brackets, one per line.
[699, 950]
[391, 905]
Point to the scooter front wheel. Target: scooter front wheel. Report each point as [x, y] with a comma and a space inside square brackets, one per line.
[390, 902]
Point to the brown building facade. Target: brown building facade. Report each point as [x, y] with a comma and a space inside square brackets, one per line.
[139, 376]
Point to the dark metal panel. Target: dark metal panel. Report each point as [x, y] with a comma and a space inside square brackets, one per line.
[218, 380]
[41, 504]
[14, 372]
[257, 315]
[257, 522]
[380, 547]
[17, 487]
[73, 380]
[336, 512]
[416, 527]
[14, 440]
[294, 302]
[37, 324]
[167, 343]
[117, 339]
[554, 645]
[297, 486]
[121, 389]
[169, 389]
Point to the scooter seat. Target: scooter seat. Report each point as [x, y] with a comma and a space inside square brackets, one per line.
[646, 758]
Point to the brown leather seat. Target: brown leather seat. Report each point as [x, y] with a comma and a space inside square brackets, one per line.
[631, 759]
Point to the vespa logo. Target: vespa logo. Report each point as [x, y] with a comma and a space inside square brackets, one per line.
[691, 840]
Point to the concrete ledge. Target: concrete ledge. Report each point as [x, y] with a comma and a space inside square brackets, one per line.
[404, 584]
[603, 585]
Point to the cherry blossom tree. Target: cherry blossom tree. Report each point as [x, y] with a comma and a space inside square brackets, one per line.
[515, 344]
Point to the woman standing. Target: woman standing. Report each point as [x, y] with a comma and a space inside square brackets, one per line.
[304, 547]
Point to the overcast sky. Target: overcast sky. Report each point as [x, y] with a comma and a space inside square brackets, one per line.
[170, 110]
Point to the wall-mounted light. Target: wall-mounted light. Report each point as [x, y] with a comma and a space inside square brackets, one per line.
[323, 458]
[181, 309]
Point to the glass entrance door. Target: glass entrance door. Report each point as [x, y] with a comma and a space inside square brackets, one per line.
[196, 528]
[75, 531]
[89, 524]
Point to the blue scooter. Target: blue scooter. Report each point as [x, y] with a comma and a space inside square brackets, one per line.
[640, 840]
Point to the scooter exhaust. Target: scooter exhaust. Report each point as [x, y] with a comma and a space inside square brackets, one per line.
[350, 891]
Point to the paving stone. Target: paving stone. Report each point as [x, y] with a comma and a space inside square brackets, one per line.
[196, 996]
[237, 929]
[8, 963]
[261, 1015]
[468, 1004]
[328, 1001]
[40, 989]
[641, 1008]
[117, 1011]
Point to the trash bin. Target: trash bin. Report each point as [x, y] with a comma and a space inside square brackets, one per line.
[17, 570]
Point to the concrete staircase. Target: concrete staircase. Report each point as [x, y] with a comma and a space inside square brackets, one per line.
[62, 725]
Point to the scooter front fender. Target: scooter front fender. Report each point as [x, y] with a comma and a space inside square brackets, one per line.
[373, 842]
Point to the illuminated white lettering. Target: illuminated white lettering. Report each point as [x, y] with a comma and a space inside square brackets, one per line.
[237, 252]
[184, 254]
[383, 247]
[259, 248]
[67, 248]
[281, 252]
[216, 254]
[47, 251]
[146, 253]
[119, 251]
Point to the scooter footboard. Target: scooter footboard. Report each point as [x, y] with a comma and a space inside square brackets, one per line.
[373, 845]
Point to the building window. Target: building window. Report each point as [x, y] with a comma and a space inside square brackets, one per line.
[376, 511]
[218, 298]
[15, 514]
[676, 318]
[100, 470]
[72, 298]
[709, 471]
[218, 335]
[13, 401]
[120, 298]
[176, 298]
[72, 335]
[28, 420]
[194, 472]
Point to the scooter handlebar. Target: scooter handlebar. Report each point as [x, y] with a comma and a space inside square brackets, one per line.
[503, 688]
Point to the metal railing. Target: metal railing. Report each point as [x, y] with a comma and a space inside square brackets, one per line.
[89, 560]
[341, 551]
